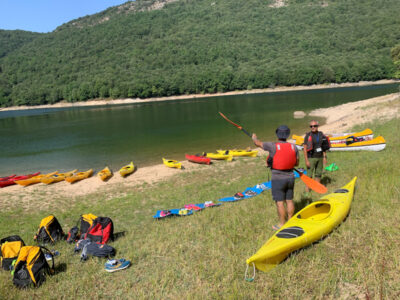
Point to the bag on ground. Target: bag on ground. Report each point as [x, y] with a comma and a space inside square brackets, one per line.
[73, 235]
[91, 248]
[86, 221]
[101, 230]
[31, 267]
[49, 231]
[10, 248]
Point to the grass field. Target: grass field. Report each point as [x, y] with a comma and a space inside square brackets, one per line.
[203, 256]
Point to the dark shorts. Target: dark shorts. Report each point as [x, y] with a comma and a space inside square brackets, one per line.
[282, 189]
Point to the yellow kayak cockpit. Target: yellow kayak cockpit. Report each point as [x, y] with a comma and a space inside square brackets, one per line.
[316, 211]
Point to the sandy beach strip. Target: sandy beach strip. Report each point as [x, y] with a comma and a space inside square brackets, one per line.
[99, 102]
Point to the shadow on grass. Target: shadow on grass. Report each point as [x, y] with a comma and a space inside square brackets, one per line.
[118, 235]
[326, 180]
[60, 268]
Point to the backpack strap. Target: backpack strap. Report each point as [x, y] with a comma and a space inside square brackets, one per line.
[52, 270]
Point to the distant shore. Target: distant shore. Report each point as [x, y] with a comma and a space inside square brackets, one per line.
[97, 102]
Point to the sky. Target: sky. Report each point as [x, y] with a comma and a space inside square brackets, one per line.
[47, 15]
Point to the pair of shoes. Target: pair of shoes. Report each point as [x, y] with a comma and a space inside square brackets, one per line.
[113, 265]
[276, 227]
[48, 256]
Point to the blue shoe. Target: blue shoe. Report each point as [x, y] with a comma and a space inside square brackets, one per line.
[116, 265]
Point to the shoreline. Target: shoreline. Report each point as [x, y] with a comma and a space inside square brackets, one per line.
[196, 96]
[338, 119]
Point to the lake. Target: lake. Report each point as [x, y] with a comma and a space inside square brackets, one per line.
[82, 138]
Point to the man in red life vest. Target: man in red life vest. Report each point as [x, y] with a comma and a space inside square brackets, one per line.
[283, 157]
[314, 152]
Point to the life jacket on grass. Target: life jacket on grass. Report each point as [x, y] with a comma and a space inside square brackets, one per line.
[10, 247]
[285, 157]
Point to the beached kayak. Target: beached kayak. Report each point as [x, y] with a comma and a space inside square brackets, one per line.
[172, 163]
[7, 177]
[307, 226]
[79, 176]
[376, 144]
[126, 170]
[198, 159]
[57, 177]
[239, 152]
[34, 179]
[340, 138]
[105, 174]
[218, 156]
[12, 180]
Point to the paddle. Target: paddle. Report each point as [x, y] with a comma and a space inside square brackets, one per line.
[311, 183]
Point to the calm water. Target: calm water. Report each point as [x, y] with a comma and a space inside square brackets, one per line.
[83, 138]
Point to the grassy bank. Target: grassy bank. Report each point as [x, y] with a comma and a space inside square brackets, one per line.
[203, 256]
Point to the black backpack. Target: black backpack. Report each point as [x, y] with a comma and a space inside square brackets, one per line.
[31, 267]
[75, 233]
[49, 231]
[10, 247]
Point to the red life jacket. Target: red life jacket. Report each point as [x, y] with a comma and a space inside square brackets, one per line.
[285, 157]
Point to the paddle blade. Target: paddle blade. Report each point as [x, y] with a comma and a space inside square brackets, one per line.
[313, 184]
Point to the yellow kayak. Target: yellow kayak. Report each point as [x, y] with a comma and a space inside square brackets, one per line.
[307, 226]
[219, 156]
[105, 174]
[79, 176]
[172, 163]
[339, 138]
[376, 144]
[126, 170]
[57, 177]
[239, 152]
[34, 179]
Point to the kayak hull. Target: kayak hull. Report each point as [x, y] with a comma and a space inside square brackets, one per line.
[198, 159]
[340, 138]
[79, 176]
[57, 177]
[172, 163]
[306, 227]
[239, 152]
[376, 144]
[218, 156]
[126, 170]
[105, 174]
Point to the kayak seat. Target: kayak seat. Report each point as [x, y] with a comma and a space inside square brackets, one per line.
[315, 212]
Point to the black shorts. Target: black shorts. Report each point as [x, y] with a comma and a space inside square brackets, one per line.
[282, 189]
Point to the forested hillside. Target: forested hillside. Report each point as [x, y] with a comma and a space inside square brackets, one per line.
[203, 46]
[11, 40]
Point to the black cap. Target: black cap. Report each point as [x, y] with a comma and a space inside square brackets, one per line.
[282, 132]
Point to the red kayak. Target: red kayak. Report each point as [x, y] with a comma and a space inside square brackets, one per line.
[8, 177]
[11, 181]
[200, 159]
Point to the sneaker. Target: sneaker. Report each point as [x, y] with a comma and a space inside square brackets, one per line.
[113, 265]
[48, 256]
